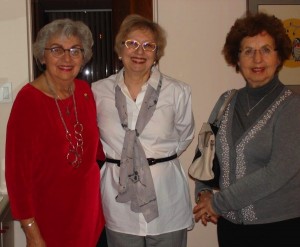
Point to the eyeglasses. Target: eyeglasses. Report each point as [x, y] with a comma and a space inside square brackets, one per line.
[133, 44]
[264, 51]
[59, 51]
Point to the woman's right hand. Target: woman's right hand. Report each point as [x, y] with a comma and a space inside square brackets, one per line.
[35, 242]
[32, 233]
[203, 210]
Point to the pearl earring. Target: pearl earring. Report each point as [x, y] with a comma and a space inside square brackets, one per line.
[120, 58]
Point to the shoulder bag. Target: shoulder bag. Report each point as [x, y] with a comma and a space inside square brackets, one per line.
[205, 165]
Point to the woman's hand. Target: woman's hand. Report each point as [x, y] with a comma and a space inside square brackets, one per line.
[35, 243]
[203, 210]
[32, 233]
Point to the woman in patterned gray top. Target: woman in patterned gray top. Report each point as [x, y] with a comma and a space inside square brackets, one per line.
[258, 144]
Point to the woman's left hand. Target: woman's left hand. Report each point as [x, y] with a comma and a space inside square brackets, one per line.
[203, 210]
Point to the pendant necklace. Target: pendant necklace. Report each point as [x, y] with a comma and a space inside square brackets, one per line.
[67, 106]
[253, 107]
[75, 152]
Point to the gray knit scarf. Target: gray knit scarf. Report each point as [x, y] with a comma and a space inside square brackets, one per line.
[135, 179]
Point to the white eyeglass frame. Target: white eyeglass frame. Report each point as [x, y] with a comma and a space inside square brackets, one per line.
[139, 44]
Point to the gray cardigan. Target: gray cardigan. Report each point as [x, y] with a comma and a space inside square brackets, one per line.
[260, 172]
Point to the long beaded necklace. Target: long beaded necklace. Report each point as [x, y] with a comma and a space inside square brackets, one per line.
[74, 155]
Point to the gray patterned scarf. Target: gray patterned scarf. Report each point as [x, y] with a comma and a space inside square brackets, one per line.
[135, 179]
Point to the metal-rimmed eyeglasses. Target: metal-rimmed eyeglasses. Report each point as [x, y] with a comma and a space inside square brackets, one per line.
[133, 44]
[264, 51]
[58, 51]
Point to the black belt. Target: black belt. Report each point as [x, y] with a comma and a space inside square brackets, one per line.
[151, 161]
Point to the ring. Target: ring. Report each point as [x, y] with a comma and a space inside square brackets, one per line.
[207, 215]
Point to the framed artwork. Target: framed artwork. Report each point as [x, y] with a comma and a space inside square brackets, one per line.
[289, 12]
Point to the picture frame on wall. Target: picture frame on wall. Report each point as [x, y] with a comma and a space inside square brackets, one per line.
[254, 5]
[289, 12]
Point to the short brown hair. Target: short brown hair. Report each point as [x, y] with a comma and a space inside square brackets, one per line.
[137, 22]
[252, 25]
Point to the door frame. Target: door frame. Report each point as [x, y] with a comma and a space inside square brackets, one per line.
[30, 40]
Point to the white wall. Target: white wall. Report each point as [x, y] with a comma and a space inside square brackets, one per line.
[13, 53]
[196, 33]
[14, 69]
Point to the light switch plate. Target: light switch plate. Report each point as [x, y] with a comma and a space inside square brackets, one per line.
[5, 92]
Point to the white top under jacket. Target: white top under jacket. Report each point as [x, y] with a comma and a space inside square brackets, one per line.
[170, 131]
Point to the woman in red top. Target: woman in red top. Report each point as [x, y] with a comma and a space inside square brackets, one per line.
[52, 175]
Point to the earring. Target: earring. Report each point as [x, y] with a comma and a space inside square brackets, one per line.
[120, 58]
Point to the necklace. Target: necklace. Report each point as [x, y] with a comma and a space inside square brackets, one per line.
[66, 105]
[74, 155]
[253, 107]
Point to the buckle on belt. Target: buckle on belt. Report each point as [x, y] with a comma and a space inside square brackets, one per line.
[151, 161]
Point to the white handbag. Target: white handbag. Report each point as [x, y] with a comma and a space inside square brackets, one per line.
[201, 168]
[205, 166]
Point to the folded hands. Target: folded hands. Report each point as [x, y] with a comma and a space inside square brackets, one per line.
[203, 210]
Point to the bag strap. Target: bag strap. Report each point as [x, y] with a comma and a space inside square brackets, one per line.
[224, 106]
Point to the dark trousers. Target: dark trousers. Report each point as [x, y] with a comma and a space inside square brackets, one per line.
[102, 240]
[281, 234]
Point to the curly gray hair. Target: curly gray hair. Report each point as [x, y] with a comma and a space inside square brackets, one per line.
[68, 28]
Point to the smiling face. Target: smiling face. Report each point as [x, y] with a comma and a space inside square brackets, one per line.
[63, 69]
[138, 61]
[258, 59]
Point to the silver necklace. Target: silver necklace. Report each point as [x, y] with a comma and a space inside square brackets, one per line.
[253, 107]
[74, 155]
[67, 106]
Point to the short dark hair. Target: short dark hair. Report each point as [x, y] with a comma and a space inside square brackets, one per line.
[252, 25]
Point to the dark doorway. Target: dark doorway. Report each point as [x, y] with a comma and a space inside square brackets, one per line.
[102, 16]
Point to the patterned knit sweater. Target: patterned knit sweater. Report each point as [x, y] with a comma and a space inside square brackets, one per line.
[259, 156]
